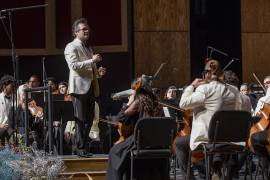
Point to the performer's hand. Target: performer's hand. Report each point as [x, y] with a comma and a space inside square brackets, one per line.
[197, 82]
[97, 58]
[4, 126]
[101, 71]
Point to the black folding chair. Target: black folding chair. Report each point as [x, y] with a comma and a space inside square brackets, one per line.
[226, 127]
[153, 138]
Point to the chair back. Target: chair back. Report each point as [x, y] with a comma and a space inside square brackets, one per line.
[154, 133]
[229, 126]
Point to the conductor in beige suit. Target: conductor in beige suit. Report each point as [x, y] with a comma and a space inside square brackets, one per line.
[83, 83]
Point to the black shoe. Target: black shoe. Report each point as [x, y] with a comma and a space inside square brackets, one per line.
[83, 153]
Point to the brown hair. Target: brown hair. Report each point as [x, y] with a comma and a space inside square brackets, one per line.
[212, 66]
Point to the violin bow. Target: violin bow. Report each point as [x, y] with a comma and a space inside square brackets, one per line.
[257, 79]
[170, 106]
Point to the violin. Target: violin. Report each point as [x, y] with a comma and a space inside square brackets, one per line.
[36, 111]
[67, 97]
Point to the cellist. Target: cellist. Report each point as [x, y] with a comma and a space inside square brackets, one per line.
[259, 140]
[205, 96]
[144, 104]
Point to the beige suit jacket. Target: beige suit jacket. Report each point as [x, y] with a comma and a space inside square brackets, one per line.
[82, 69]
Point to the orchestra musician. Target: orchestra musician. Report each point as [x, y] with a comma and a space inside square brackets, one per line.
[35, 115]
[246, 90]
[205, 96]
[259, 140]
[83, 83]
[170, 98]
[236, 162]
[7, 85]
[142, 104]
[230, 78]
[53, 83]
[32, 82]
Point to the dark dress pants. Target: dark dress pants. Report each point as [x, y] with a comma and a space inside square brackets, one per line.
[182, 152]
[84, 107]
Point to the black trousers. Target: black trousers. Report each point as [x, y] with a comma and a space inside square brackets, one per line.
[5, 135]
[259, 141]
[84, 107]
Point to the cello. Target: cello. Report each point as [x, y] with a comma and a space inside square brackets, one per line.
[263, 123]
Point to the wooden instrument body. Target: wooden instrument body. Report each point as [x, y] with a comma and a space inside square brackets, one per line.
[35, 110]
[185, 131]
[261, 125]
[123, 130]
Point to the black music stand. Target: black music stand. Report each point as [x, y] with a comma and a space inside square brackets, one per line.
[63, 112]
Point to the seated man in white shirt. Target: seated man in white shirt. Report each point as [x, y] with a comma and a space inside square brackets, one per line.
[6, 126]
[205, 97]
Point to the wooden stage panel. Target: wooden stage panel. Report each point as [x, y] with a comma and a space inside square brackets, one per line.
[78, 167]
[154, 48]
[255, 15]
[255, 53]
[161, 15]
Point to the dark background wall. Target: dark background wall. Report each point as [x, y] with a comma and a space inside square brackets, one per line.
[216, 24]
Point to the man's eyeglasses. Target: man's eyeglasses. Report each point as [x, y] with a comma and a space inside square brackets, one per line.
[83, 29]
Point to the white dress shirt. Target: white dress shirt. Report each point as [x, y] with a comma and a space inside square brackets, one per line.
[205, 101]
[5, 105]
[262, 100]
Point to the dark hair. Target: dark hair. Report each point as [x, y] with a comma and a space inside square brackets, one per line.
[170, 87]
[76, 23]
[212, 66]
[63, 83]
[52, 79]
[34, 76]
[231, 78]
[6, 80]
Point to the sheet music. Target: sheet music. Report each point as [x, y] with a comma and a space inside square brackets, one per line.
[166, 112]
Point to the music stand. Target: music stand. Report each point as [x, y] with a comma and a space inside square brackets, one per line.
[63, 112]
